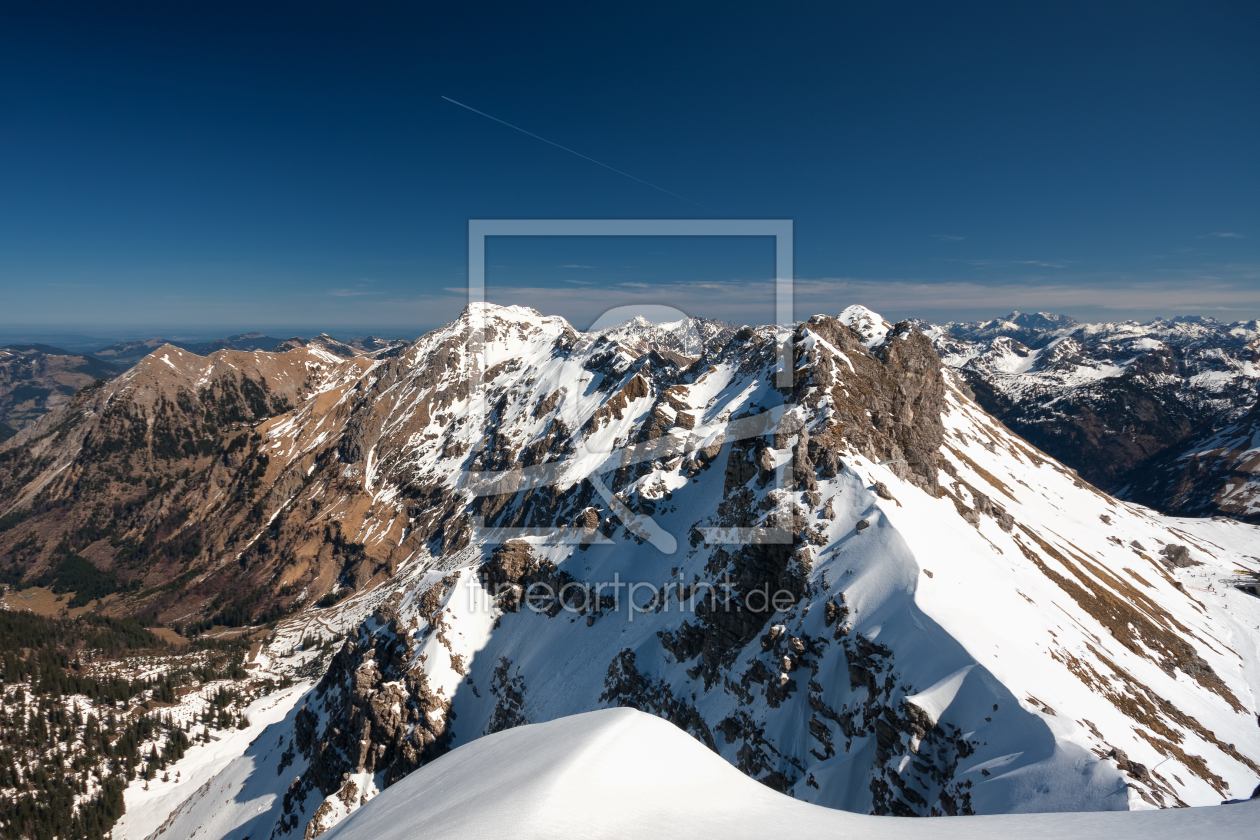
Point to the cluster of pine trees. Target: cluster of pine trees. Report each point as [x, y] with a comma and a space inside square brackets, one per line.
[63, 772]
[70, 743]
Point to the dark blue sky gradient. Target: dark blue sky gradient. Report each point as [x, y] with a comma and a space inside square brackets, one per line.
[292, 167]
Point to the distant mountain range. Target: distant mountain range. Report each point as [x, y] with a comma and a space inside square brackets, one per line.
[129, 352]
[36, 378]
[1162, 413]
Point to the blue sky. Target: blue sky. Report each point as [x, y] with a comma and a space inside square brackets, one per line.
[232, 166]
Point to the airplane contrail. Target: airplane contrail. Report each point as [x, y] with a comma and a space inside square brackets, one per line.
[579, 154]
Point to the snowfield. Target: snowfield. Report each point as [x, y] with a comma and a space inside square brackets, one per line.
[620, 773]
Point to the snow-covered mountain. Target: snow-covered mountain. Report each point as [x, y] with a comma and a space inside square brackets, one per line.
[127, 353]
[1161, 413]
[1034, 329]
[957, 623]
[370, 346]
[687, 337]
[870, 326]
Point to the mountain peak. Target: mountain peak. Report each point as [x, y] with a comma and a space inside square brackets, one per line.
[494, 310]
[687, 336]
[866, 323]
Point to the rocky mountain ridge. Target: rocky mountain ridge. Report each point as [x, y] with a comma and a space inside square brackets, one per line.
[154, 476]
[36, 378]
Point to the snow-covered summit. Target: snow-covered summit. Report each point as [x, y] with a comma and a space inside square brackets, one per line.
[509, 312]
[688, 337]
[871, 326]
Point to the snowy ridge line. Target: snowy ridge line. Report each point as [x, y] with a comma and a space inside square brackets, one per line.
[620, 773]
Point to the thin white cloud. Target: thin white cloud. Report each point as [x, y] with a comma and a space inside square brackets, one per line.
[1230, 291]
[752, 302]
[1013, 263]
[1225, 234]
[945, 237]
[360, 289]
[575, 265]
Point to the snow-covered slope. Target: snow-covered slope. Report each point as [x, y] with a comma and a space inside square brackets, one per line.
[962, 625]
[621, 773]
[149, 803]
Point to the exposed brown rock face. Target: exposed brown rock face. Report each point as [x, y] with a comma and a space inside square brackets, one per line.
[230, 488]
[513, 570]
[1178, 556]
[900, 384]
[157, 473]
[636, 388]
[381, 717]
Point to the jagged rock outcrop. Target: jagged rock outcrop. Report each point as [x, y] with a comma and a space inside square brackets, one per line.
[889, 405]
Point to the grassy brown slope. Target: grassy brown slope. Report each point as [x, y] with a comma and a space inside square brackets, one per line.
[148, 486]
